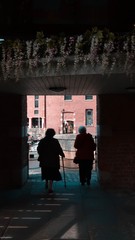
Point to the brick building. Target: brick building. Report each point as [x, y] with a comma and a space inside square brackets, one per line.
[64, 113]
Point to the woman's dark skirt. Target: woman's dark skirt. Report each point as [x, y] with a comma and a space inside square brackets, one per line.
[51, 174]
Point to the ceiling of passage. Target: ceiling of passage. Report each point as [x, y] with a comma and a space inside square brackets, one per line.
[83, 84]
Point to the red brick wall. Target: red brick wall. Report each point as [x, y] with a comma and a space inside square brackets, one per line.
[52, 106]
[31, 107]
[78, 104]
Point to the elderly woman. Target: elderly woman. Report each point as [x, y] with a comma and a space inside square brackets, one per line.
[85, 146]
[49, 151]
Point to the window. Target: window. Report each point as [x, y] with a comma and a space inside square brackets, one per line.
[36, 97]
[88, 97]
[36, 101]
[35, 111]
[67, 97]
[36, 122]
[36, 104]
[89, 117]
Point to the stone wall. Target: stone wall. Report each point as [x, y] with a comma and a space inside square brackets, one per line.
[116, 141]
[13, 140]
[67, 144]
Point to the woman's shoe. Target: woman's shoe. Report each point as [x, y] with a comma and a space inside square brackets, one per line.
[46, 185]
[88, 182]
[82, 183]
[50, 191]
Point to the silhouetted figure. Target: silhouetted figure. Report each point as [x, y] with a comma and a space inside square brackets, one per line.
[85, 146]
[49, 151]
[66, 128]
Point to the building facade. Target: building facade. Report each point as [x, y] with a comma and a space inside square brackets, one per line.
[64, 113]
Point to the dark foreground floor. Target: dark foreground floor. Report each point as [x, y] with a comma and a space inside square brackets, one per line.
[74, 212]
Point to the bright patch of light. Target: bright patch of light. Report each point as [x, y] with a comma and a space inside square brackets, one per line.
[59, 199]
[16, 227]
[42, 210]
[6, 237]
[73, 231]
[1, 40]
[31, 218]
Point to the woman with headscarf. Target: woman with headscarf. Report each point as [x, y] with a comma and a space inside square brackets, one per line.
[49, 150]
[85, 146]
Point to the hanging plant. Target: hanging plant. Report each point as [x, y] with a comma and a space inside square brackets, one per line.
[94, 49]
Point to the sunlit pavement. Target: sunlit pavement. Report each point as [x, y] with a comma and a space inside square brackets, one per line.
[72, 212]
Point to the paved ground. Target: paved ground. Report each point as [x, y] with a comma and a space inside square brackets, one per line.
[74, 212]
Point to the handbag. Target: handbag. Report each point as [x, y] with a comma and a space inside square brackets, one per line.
[75, 160]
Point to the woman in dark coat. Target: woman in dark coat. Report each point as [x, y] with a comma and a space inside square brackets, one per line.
[85, 146]
[49, 151]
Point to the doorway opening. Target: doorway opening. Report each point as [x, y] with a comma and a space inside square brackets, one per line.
[65, 116]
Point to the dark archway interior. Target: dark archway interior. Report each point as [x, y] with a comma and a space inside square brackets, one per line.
[25, 17]
[23, 20]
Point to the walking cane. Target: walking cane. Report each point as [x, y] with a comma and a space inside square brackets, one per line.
[64, 172]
